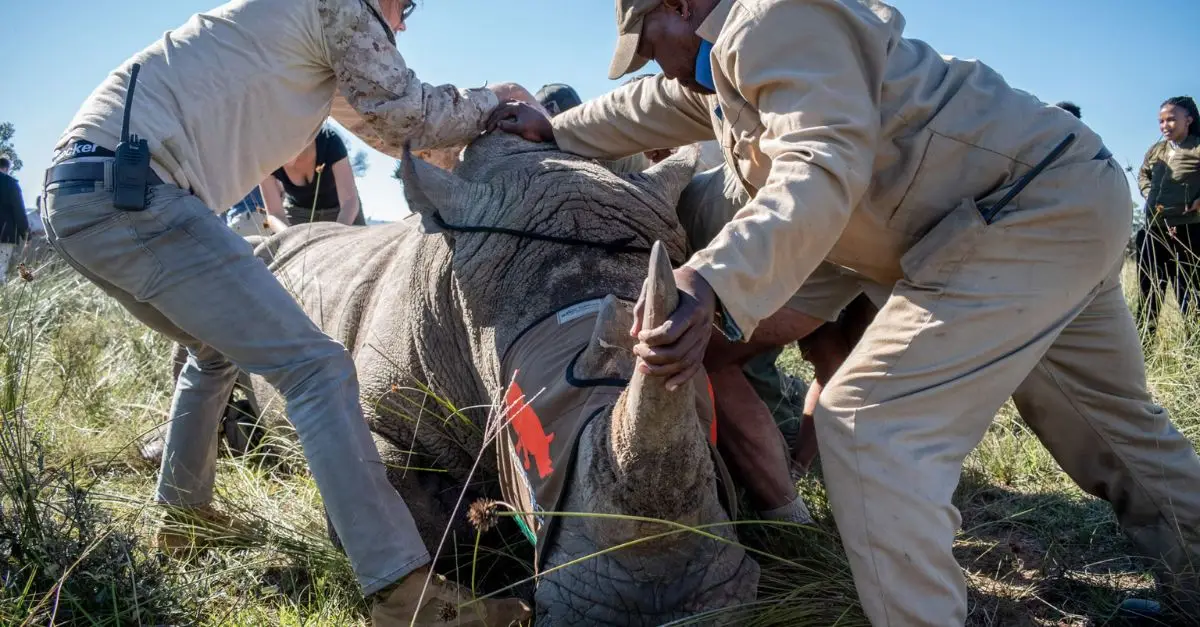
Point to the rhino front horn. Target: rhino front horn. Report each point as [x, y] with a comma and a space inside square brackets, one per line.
[662, 295]
[656, 442]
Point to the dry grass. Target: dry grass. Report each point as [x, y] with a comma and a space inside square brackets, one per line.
[82, 381]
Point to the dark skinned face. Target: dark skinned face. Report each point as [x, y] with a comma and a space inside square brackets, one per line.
[669, 37]
[1173, 122]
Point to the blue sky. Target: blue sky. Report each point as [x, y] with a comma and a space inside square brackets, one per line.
[1103, 54]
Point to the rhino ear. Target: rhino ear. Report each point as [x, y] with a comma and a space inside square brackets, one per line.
[670, 176]
[609, 353]
[432, 191]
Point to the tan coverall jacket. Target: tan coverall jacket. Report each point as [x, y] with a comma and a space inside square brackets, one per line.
[876, 153]
[844, 146]
[203, 88]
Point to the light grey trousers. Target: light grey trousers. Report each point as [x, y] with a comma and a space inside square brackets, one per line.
[180, 270]
[7, 252]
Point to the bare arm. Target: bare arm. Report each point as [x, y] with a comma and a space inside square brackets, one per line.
[826, 349]
[347, 191]
[277, 219]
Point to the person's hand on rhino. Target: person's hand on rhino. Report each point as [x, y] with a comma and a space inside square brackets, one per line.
[520, 118]
[675, 348]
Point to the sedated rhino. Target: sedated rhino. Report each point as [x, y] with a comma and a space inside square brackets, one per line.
[509, 316]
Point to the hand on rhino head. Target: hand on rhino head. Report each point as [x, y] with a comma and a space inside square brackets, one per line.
[513, 93]
[509, 94]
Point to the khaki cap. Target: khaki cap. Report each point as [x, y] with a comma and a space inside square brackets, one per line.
[629, 31]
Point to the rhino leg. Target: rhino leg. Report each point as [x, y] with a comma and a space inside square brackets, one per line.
[242, 426]
[150, 449]
[418, 490]
[428, 514]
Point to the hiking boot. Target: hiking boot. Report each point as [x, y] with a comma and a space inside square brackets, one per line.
[185, 529]
[396, 606]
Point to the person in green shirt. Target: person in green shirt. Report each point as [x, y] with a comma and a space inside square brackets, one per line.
[1169, 246]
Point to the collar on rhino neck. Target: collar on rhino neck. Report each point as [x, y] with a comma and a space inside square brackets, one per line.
[547, 407]
[616, 246]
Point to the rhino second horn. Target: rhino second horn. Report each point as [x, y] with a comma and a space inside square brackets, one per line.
[656, 442]
[607, 353]
[430, 189]
[670, 176]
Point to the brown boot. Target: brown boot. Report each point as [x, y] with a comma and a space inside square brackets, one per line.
[187, 529]
[439, 607]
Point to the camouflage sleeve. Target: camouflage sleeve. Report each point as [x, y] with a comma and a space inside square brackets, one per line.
[381, 100]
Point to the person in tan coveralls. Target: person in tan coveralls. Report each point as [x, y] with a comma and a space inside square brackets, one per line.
[897, 165]
[200, 99]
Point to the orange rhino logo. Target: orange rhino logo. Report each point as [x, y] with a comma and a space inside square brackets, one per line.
[532, 440]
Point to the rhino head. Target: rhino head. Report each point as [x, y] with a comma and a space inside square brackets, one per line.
[644, 465]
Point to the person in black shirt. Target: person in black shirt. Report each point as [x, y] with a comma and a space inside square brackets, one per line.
[13, 225]
[317, 186]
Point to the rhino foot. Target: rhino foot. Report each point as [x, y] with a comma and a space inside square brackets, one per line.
[150, 449]
[240, 428]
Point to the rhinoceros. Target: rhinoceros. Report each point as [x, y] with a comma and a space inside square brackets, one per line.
[525, 250]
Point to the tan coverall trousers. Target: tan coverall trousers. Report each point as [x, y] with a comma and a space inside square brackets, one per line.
[1030, 307]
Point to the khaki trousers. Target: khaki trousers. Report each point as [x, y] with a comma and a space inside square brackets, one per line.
[1028, 306]
[180, 270]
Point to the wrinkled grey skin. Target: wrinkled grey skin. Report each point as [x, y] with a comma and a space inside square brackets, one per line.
[419, 308]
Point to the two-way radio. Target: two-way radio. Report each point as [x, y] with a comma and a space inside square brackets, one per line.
[131, 172]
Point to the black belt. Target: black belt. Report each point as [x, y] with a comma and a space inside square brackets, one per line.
[72, 170]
